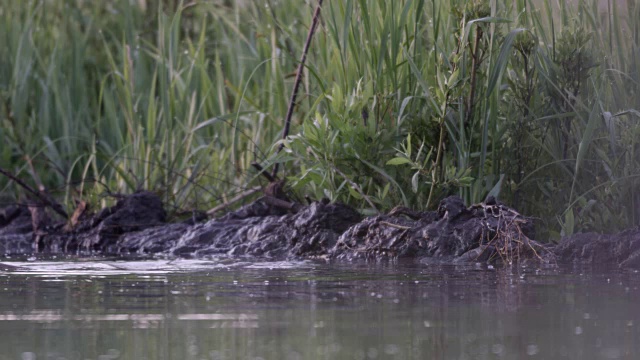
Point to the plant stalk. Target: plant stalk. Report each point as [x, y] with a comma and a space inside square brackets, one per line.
[435, 168]
[296, 84]
[475, 62]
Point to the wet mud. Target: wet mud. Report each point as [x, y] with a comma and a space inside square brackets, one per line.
[489, 232]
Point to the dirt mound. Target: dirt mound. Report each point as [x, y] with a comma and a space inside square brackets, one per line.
[488, 232]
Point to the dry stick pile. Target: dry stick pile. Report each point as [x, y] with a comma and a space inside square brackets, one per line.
[509, 240]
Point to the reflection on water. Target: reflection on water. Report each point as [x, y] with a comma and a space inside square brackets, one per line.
[138, 321]
[229, 309]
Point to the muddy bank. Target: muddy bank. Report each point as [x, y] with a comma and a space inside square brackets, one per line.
[488, 233]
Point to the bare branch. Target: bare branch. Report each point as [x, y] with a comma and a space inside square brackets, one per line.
[234, 200]
[296, 84]
[42, 196]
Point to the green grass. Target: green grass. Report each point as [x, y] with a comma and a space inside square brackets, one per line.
[402, 102]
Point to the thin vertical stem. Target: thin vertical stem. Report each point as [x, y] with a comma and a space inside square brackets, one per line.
[475, 62]
[296, 85]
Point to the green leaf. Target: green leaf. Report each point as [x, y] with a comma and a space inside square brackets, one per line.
[337, 99]
[488, 19]
[398, 161]
[569, 223]
[502, 60]
[385, 191]
[354, 193]
[386, 176]
[465, 181]
[585, 142]
[453, 79]
[423, 83]
[495, 191]
[414, 182]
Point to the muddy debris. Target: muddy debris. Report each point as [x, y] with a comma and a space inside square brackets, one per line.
[489, 232]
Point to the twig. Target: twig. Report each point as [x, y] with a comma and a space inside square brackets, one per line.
[274, 201]
[296, 84]
[34, 174]
[397, 226]
[262, 171]
[46, 200]
[402, 210]
[234, 200]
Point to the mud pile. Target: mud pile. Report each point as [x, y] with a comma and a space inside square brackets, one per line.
[488, 233]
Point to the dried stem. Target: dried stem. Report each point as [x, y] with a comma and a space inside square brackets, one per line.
[296, 84]
[46, 200]
[475, 62]
[434, 174]
[234, 200]
[262, 171]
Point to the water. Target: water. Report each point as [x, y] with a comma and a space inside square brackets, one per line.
[229, 309]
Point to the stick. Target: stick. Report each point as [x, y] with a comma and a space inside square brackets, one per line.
[234, 200]
[397, 226]
[263, 172]
[282, 203]
[34, 174]
[296, 84]
[475, 62]
[40, 195]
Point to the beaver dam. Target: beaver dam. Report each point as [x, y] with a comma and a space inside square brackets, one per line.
[489, 233]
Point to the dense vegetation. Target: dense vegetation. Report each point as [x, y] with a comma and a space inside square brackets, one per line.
[402, 103]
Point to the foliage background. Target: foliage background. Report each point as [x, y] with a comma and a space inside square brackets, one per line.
[403, 103]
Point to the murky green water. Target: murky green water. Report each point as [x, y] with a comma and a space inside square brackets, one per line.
[226, 309]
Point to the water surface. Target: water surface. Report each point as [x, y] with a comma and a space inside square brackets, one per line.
[230, 309]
